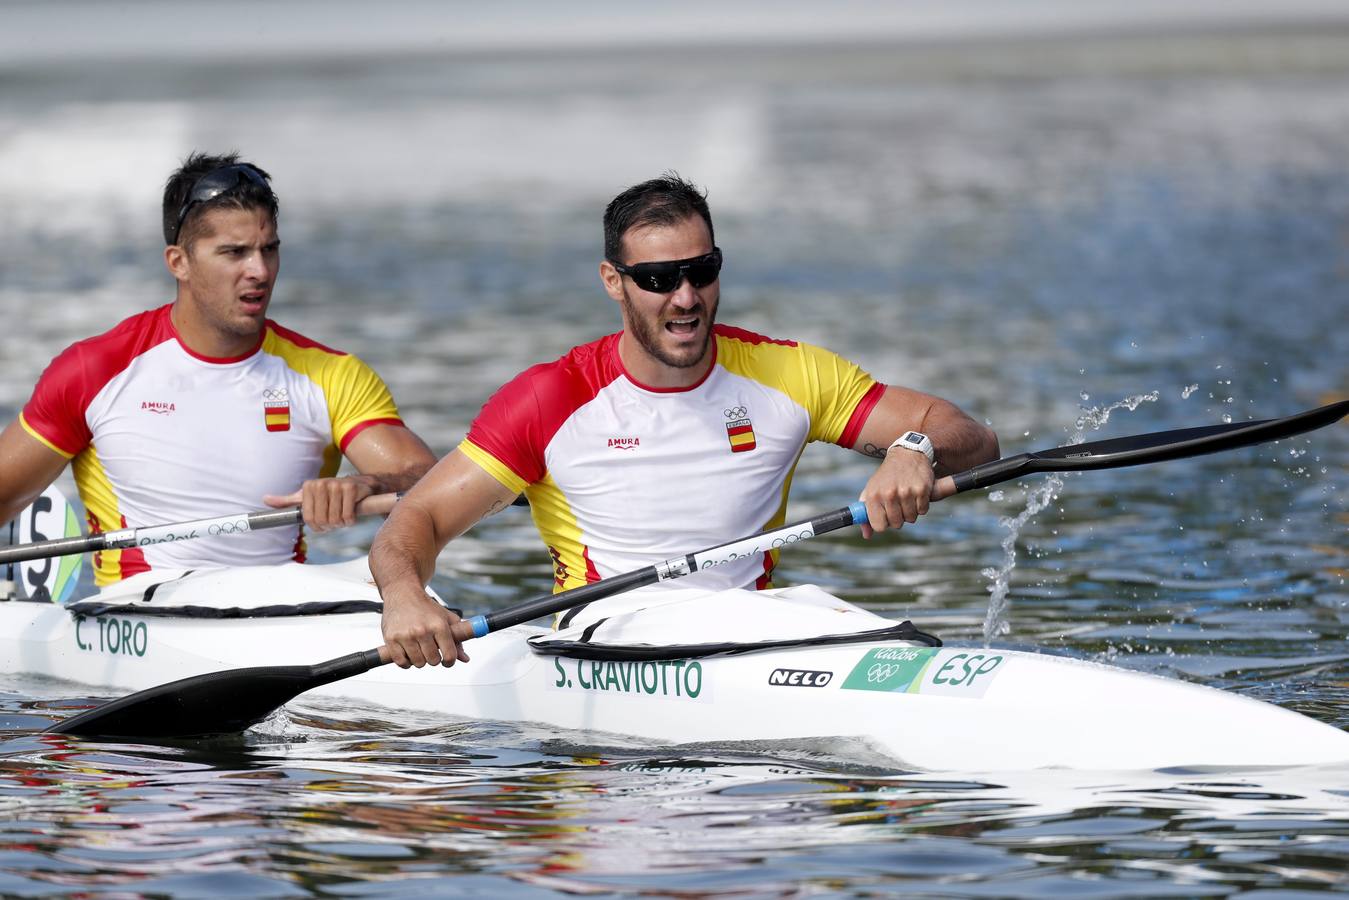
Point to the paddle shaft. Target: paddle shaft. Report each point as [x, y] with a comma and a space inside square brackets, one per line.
[1108, 454]
[666, 570]
[238, 523]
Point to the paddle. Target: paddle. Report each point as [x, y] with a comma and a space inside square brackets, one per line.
[238, 523]
[232, 700]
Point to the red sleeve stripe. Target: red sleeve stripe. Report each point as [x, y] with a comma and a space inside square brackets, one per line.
[357, 429]
[748, 337]
[860, 415]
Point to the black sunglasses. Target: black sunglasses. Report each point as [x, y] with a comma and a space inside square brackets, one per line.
[664, 277]
[217, 182]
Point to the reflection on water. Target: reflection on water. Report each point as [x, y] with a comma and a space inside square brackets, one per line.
[338, 805]
[1035, 231]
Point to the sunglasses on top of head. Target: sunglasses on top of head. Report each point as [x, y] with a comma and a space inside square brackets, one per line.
[664, 277]
[216, 182]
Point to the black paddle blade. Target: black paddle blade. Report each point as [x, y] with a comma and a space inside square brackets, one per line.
[1158, 446]
[214, 703]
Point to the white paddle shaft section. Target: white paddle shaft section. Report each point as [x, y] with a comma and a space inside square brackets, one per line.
[188, 531]
[853, 514]
[237, 523]
[757, 545]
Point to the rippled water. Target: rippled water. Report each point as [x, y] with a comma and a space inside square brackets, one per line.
[1036, 234]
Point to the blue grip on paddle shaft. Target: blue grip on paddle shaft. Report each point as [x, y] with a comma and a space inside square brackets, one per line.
[479, 625]
[859, 512]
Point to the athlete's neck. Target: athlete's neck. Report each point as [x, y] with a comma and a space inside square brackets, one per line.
[645, 369]
[202, 340]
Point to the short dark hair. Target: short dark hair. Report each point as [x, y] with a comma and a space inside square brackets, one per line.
[667, 200]
[248, 195]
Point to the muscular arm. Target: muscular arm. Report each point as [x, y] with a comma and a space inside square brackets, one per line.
[454, 495]
[902, 486]
[389, 458]
[27, 467]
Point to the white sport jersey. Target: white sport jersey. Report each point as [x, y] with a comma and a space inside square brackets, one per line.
[159, 434]
[620, 475]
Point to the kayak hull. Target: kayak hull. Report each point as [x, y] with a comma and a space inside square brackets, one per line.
[969, 709]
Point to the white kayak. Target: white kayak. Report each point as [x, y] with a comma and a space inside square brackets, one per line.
[648, 674]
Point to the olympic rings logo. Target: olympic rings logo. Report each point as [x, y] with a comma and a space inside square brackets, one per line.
[735, 412]
[238, 526]
[793, 538]
[276, 394]
[882, 672]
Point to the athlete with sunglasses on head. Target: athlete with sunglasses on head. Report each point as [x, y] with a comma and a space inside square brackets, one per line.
[205, 407]
[675, 433]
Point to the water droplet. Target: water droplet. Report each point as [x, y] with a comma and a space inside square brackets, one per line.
[996, 496]
[1185, 394]
[1227, 419]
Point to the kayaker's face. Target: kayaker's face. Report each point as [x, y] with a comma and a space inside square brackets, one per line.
[666, 335]
[225, 281]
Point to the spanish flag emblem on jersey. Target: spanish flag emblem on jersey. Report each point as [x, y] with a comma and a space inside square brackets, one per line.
[276, 410]
[740, 433]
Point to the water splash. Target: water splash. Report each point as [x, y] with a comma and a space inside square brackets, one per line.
[1094, 419]
[1000, 577]
[1037, 498]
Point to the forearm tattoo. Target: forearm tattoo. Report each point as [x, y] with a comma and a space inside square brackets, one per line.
[873, 450]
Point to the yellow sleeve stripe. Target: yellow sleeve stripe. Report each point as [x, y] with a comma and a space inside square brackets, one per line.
[493, 466]
[41, 440]
[356, 395]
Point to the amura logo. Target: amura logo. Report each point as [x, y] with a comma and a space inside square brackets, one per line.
[624, 443]
[159, 407]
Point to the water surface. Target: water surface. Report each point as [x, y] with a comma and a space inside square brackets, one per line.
[1035, 232]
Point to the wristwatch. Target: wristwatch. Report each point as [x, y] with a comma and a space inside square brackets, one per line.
[913, 440]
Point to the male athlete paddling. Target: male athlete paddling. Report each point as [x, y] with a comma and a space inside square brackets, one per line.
[204, 406]
[676, 432]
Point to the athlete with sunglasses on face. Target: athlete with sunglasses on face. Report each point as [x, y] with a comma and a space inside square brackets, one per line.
[675, 433]
[205, 407]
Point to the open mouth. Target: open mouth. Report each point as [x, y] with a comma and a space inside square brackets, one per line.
[683, 327]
